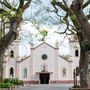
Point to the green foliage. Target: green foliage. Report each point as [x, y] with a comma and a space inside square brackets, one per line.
[13, 81]
[1, 15]
[20, 11]
[73, 17]
[5, 85]
[6, 80]
[2, 33]
[43, 33]
[53, 2]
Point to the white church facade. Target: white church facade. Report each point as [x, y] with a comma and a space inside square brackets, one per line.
[43, 66]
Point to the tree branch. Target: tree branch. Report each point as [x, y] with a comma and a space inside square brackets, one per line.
[86, 4]
[59, 4]
[88, 16]
[66, 17]
[21, 4]
[69, 28]
[7, 40]
[6, 4]
[77, 4]
[4, 12]
[65, 3]
[70, 11]
[27, 4]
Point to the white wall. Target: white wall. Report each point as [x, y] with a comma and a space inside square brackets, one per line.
[10, 63]
[15, 47]
[25, 64]
[55, 63]
[62, 63]
[73, 47]
[38, 61]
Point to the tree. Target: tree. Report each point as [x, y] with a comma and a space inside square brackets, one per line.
[11, 12]
[80, 26]
[43, 33]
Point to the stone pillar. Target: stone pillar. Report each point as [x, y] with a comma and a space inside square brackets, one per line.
[56, 64]
[18, 70]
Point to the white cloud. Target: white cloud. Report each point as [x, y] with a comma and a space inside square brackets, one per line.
[51, 38]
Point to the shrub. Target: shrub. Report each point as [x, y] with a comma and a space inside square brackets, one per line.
[5, 85]
[6, 80]
[13, 81]
[20, 82]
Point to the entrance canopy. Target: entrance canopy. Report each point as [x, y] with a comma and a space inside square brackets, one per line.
[44, 72]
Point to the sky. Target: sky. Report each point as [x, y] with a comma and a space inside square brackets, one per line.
[39, 16]
[51, 39]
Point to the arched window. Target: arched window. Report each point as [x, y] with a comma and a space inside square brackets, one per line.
[12, 53]
[25, 73]
[76, 53]
[11, 72]
[64, 72]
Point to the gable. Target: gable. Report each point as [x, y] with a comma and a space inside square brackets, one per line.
[43, 48]
[44, 54]
[44, 43]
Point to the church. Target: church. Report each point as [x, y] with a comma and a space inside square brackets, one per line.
[43, 66]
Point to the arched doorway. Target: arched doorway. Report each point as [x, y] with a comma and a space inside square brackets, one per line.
[11, 72]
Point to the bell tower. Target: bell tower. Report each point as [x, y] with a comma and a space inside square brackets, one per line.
[13, 49]
[74, 54]
[74, 48]
[11, 66]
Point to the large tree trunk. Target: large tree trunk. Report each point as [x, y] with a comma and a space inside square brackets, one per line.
[84, 60]
[14, 20]
[83, 68]
[82, 28]
[7, 40]
[83, 33]
[83, 64]
[1, 66]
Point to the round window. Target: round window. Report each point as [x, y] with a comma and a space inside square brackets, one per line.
[44, 56]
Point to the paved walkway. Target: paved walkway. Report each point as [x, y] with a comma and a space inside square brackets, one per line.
[44, 87]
